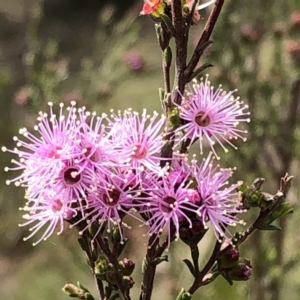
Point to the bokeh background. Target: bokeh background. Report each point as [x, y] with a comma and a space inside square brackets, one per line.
[102, 55]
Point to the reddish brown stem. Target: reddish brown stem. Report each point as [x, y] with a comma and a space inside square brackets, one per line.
[208, 29]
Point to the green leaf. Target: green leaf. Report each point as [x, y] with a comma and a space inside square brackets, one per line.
[82, 244]
[168, 23]
[160, 259]
[80, 285]
[122, 246]
[159, 36]
[89, 297]
[227, 278]
[144, 265]
[161, 93]
[270, 227]
[190, 266]
[168, 56]
[200, 70]
[205, 45]
[278, 212]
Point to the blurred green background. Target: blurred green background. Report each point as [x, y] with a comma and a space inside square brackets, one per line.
[102, 55]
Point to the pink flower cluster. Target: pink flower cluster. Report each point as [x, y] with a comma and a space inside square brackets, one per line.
[104, 168]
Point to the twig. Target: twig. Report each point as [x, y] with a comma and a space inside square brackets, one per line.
[166, 36]
[200, 275]
[154, 251]
[181, 39]
[285, 184]
[209, 26]
[114, 261]
[149, 271]
[92, 265]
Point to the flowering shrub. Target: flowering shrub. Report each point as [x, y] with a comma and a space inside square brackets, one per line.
[97, 172]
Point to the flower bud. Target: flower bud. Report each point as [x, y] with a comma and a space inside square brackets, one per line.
[176, 176]
[128, 282]
[253, 199]
[126, 266]
[174, 118]
[187, 7]
[192, 236]
[241, 272]
[101, 267]
[192, 195]
[72, 290]
[229, 258]
[76, 292]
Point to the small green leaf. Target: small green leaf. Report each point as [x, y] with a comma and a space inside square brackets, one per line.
[168, 23]
[190, 266]
[227, 278]
[122, 246]
[278, 212]
[200, 70]
[144, 265]
[271, 227]
[89, 297]
[114, 297]
[161, 93]
[160, 259]
[168, 56]
[243, 188]
[82, 244]
[80, 285]
[205, 45]
[159, 36]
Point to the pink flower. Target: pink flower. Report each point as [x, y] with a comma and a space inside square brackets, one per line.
[112, 200]
[97, 150]
[49, 214]
[167, 204]
[211, 115]
[151, 6]
[218, 204]
[139, 139]
[43, 156]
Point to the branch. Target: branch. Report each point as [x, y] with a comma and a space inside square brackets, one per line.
[200, 275]
[91, 263]
[181, 39]
[113, 259]
[278, 198]
[149, 271]
[154, 251]
[209, 26]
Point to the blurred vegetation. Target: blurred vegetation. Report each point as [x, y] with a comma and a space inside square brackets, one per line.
[100, 54]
